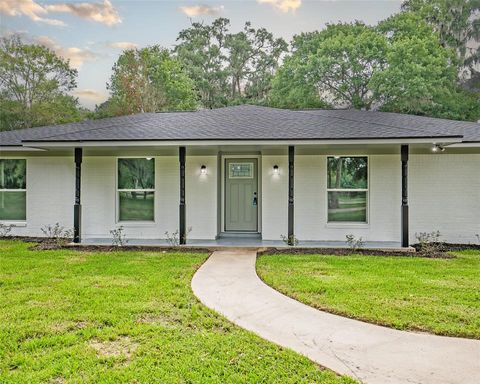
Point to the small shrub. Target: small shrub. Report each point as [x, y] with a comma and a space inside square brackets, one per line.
[291, 241]
[5, 230]
[118, 236]
[354, 243]
[173, 239]
[429, 242]
[56, 234]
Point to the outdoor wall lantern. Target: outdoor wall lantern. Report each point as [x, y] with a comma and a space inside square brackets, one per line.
[438, 148]
[203, 169]
[275, 169]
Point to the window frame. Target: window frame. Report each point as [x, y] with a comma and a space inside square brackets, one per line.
[135, 223]
[17, 222]
[343, 224]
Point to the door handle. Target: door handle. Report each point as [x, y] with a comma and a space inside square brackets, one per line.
[255, 199]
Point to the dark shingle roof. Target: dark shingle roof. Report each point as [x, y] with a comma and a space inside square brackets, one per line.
[469, 130]
[246, 122]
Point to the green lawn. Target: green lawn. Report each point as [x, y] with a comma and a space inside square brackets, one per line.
[441, 296]
[83, 317]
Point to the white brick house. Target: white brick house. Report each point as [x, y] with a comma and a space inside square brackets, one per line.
[246, 170]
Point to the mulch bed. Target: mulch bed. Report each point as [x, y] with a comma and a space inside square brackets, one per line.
[415, 251]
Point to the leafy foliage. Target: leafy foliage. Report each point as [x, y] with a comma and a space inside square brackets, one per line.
[148, 80]
[354, 243]
[457, 24]
[291, 88]
[291, 240]
[5, 230]
[398, 66]
[419, 68]
[429, 242]
[338, 63]
[253, 57]
[229, 68]
[56, 234]
[34, 83]
[118, 236]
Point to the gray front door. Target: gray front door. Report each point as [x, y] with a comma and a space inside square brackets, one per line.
[241, 195]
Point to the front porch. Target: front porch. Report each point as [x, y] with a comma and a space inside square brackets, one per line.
[247, 242]
[280, 191]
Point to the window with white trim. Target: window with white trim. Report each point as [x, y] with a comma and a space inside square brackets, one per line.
[347, 189]
[13, 189]
[136, 189]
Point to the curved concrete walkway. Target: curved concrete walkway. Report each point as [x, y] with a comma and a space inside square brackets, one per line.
[228, 283]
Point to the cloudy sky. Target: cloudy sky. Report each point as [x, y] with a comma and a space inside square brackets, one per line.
[93, 33]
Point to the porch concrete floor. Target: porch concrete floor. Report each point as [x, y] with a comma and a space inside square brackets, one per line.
[247, 242]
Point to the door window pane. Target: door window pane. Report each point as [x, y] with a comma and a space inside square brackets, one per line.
[240, 171]
[347, 206]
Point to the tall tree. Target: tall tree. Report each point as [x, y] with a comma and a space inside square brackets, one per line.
[202, 49]
[422, 74]
[339, 62]
[419, 68]
[230, 68]
[253, 57]
[148, 80]
[398, 66]
[292, 88]
[458, 25]
[34, 83]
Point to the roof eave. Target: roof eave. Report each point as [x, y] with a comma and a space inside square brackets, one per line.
[211, 142]
[19, 148]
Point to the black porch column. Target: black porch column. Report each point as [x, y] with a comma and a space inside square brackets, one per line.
[181, 230]
[404, 158]
[77, 208]
[291, 179]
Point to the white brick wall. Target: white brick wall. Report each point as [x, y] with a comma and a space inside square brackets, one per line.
[201, 196]
[274, 197]
[99, 199]
[311, 201]
[50, 194]
[444, 194]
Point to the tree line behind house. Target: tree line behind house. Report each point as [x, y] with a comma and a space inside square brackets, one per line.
[422, 61]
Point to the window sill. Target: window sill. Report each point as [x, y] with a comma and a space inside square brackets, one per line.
[347, 225]
[14, 223]
[136, 223]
